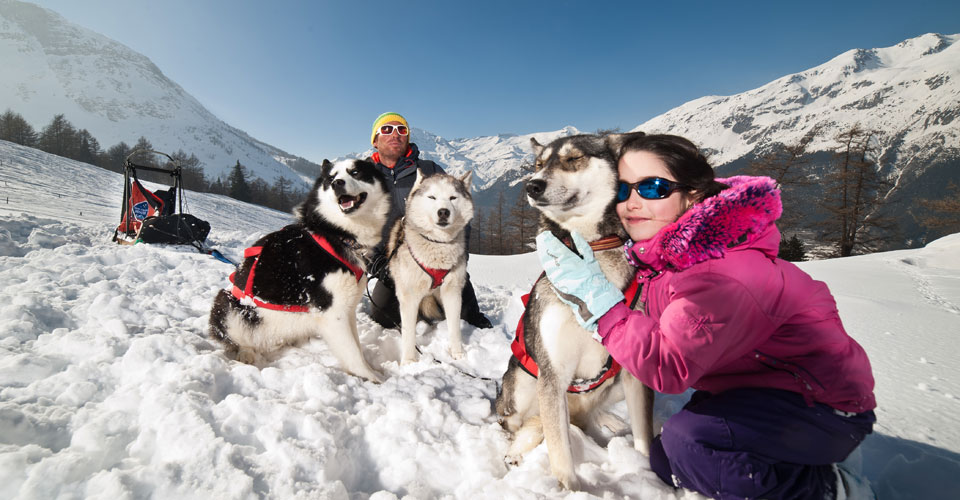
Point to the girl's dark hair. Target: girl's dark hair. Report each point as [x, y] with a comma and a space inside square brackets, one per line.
[684, 161]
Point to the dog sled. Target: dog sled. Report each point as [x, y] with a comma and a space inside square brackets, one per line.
[157, 216]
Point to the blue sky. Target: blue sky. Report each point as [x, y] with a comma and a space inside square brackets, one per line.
[310, 76]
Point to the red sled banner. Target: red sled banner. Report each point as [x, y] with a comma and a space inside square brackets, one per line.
[141, 203]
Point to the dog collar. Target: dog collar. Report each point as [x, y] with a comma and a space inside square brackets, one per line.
[606, 243]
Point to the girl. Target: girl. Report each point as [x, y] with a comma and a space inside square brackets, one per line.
[783, 392]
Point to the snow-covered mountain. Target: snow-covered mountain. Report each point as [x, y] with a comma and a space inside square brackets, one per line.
[51, 66]
[909, 93]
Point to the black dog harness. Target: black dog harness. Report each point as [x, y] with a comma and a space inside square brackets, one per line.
[610, 369]
[247, 290]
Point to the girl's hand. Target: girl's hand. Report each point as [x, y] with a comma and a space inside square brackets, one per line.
[579, 282]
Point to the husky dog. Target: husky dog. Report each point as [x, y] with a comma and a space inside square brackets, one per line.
[428, 257]
[574, 188]
[307, 279]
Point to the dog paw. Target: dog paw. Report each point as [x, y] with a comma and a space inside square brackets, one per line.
[374, 377]
[456, 352]
[512, 460]
[406, 360]
[612, 422]
[247, 355]
[568, 480]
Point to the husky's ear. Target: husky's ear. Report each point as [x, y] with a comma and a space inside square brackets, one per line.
[537, 147]
[325, 167]
[616, 141]
[465, 179]
[416, 183]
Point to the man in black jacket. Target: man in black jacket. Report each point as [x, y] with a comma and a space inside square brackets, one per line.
[399, 160]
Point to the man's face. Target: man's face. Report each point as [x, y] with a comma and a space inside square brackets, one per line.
[393, 145]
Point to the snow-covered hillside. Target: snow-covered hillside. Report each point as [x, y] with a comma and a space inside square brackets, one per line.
[51, 66]
[110, 387]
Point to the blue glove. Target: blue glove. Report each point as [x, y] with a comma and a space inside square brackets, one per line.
[579, 282]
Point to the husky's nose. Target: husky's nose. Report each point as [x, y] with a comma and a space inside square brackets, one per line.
[443, 213]
[535, 188]
[337, 183]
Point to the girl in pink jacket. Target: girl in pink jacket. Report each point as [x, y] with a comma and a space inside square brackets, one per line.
[782, 391]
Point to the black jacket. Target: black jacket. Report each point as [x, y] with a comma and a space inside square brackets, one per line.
[400, 178]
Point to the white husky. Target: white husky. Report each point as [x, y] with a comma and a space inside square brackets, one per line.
[428, 257]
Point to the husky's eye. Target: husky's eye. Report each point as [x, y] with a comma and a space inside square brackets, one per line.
[353, 172]
[432, 197]
[453, 198]
[574, 158]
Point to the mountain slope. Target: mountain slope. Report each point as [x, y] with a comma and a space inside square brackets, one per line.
[51, 66]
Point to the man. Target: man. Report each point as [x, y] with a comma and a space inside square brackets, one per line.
[399, 159]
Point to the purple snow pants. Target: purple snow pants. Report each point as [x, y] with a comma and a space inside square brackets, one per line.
[756, 443]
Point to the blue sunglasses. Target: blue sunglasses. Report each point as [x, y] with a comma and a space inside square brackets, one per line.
[651, 188]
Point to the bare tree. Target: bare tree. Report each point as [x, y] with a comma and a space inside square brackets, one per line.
[854, 193]
[944, 216]
[494, 228]
[14, 128]
[478, 233]
[521, 226]
[785, 165]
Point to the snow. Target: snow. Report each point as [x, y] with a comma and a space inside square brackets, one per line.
[110, 387]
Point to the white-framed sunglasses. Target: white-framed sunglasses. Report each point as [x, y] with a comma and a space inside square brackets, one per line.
[388, 129]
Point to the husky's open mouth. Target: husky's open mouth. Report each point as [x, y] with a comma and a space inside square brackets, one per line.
[351, 203]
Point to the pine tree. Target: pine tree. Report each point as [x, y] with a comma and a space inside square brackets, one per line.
[88, 148]
[59, 137]
[237, 186]
[115, 156]
[792, 250]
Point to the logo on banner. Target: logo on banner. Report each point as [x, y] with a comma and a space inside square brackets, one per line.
[140, 210]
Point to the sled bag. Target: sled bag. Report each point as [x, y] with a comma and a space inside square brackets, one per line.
[141, 203]
[180, 229]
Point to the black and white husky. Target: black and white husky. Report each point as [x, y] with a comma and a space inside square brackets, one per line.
[428, 257]
[558, 373]
[307, 279]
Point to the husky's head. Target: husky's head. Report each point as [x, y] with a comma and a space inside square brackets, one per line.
[440, 206]
[575, 185]
[352, 195]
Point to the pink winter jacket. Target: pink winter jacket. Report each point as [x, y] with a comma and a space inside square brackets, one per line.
[721, 311]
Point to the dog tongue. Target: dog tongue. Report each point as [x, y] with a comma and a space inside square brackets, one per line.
[346, 202]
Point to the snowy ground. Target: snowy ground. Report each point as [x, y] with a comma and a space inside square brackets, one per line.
[110, 388]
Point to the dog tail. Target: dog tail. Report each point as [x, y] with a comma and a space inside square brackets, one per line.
[431, 310]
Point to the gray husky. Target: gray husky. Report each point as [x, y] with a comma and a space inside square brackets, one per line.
[428, 257]
[558, 373]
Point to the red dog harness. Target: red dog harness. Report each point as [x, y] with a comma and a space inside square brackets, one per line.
[247, 291]
[436, 275]
[610, 369]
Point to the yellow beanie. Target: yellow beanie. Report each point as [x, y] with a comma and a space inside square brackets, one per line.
[384, 118]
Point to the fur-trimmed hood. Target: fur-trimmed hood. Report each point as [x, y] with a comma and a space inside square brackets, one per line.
[747, 209]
